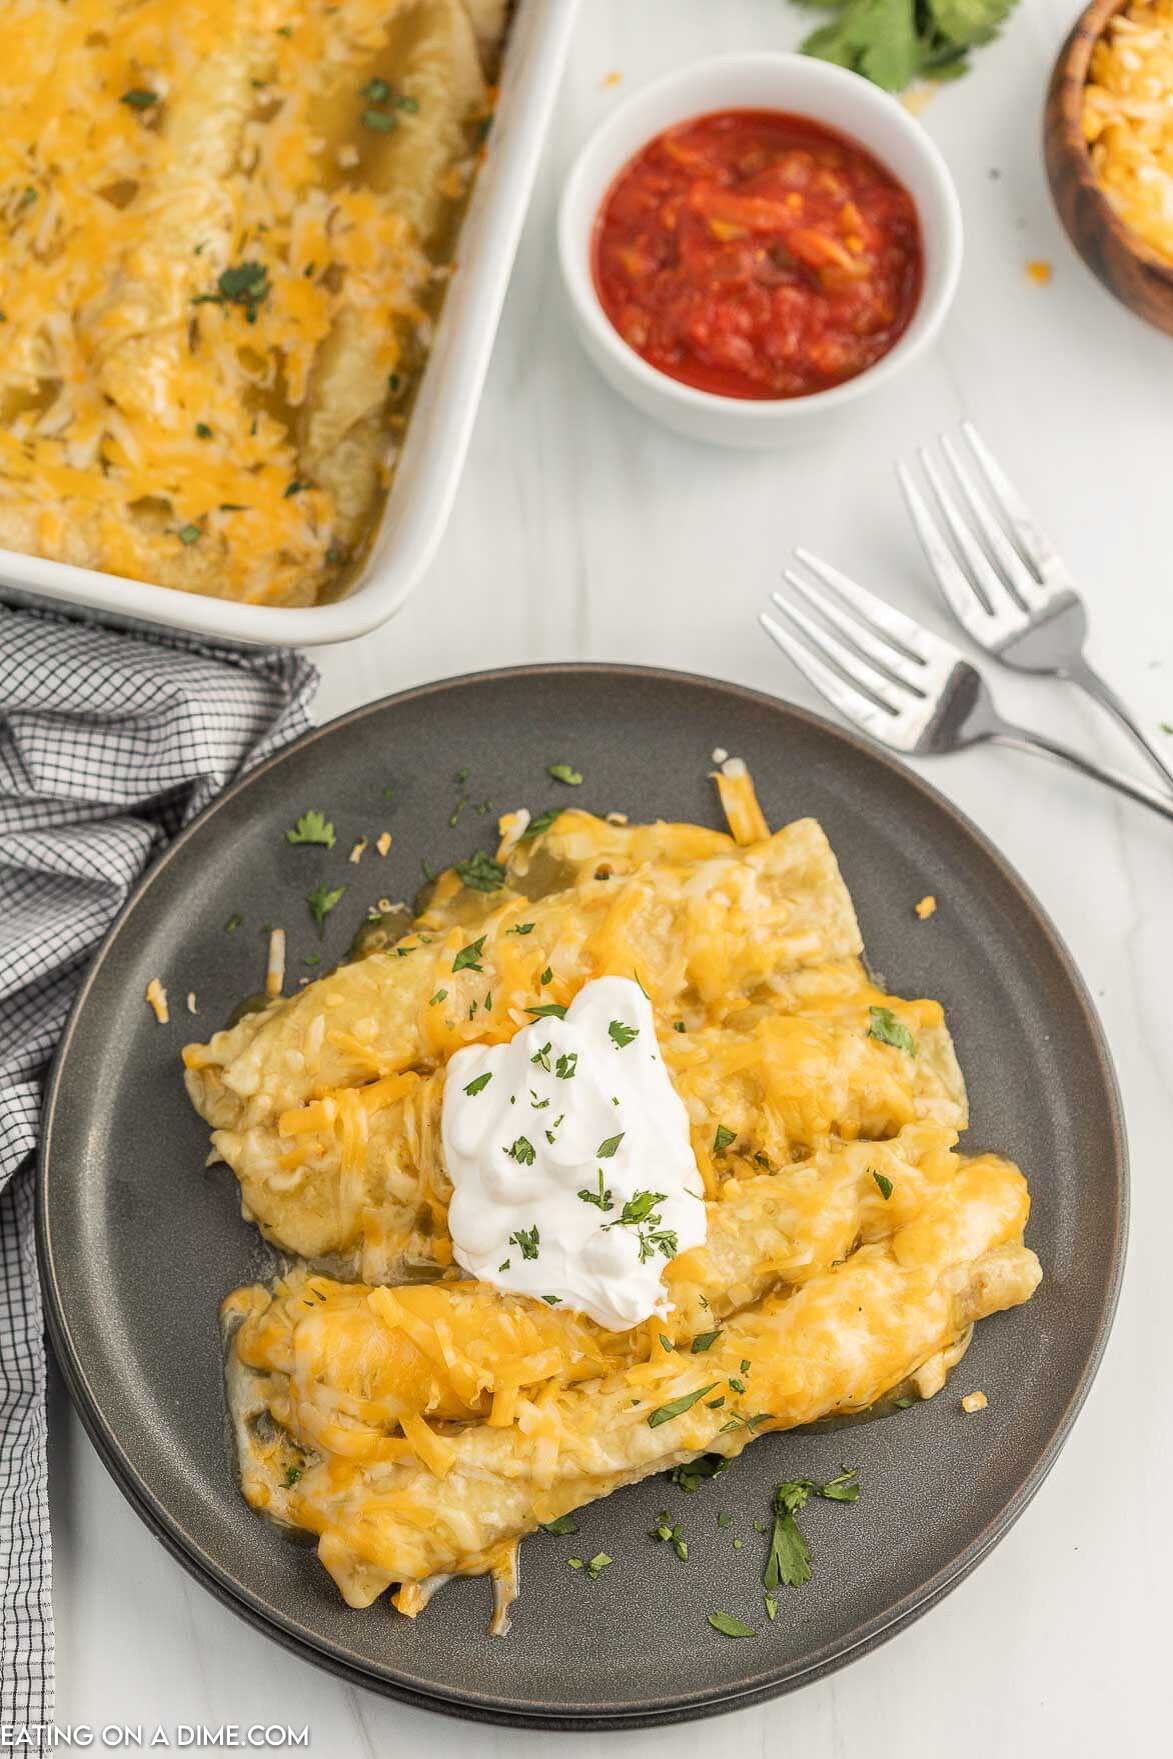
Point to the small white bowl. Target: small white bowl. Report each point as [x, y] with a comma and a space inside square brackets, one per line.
[758, 81]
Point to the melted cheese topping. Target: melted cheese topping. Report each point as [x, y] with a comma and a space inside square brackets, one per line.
[223, 224]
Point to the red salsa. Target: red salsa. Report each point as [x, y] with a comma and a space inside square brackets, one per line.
[753, 253]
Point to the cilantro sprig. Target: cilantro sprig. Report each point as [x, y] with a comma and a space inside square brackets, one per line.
[894, 42]
[788, 1559]
[312, 827]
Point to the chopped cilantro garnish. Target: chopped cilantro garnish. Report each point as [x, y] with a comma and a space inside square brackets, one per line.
[564, 772]
[245, 284]
[546, 977]
[292, 1474]
[678, 1025]
[553, 1300]
[566, 1066]
[376, 90]
[527, 1240]
[677, 1407]
[312, 827]
[480, 873]
[468, 958]
[601, 1198]
[705, 1340]
[889, 1030]
[563, 1525]
[189, 534]
[542, 1057]
[729, 1626]
[723, 1139]
[691, 1473]
[596, 1566]
[542, 823]
[522, 1151]
[788, 1559]
[378, 120]
[606, 1151]
[521, 928]
[294, 488]
[883, 1185]
[233, 923]
[548, 1008]
[669, 1531]
[620, 1035]
[139, 98]
[322, 900]
[203, 431]
[440, 995]
[479, 1084]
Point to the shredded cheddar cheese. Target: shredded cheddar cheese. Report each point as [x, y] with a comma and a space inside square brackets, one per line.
[974, 1402]
[1128, 119]
[157, 997]
[927, 907]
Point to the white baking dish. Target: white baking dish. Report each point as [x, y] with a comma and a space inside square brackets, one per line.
[441, 423]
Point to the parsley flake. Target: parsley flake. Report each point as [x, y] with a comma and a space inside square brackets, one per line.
[312, 827]
[889, 1030]
[480, 873]
[677, 1407]
[602, 1198]
[468, 958]
[322, 900]
[479, 1084]
[527, 1240]
[729, 1626]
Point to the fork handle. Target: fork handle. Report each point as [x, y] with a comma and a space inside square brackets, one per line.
[1089, 680]
[1026, 739]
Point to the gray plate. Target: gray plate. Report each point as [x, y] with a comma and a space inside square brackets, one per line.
[139, 1242]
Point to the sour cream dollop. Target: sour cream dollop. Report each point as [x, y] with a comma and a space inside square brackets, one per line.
[568, 1149]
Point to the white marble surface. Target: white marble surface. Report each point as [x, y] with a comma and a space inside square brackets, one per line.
[580, 531]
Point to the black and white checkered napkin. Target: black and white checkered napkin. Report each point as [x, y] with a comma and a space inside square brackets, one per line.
[109, 743]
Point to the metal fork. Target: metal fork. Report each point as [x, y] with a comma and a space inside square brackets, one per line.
[905, 686]
[1016, 599]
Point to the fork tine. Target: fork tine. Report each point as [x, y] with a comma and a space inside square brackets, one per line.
[886, 691]
[960, 595]
[878, 613]
[850, 702]
[1033, 542]
[983, 577]
[1006, 557]
[860, 633]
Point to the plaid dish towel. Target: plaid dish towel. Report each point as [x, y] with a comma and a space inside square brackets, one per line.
[109, 743]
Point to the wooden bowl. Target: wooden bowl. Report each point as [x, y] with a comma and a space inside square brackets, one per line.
[1126, 265]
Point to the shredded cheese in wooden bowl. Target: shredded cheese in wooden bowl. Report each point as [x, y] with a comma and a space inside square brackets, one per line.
[1128, 119]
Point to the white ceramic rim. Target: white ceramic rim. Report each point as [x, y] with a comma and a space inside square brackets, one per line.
[574, 239]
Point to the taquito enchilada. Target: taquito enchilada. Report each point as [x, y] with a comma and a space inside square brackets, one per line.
[420, 1429]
